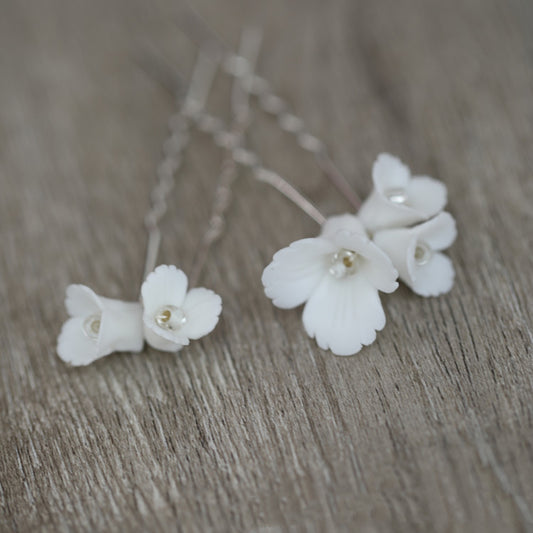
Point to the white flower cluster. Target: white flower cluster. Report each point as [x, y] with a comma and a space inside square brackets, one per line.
[167, 317]
[400, 230]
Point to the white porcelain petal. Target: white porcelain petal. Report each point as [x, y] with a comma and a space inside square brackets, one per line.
[296, 270]
[346, 222]
[426, 195]
[388, 172]
[435, 274]
[377, 268]
[399, 245]
[160, 340]
[416, 199]
[74, 346]
[121, 326]
[202, 308]
[377, 212]
[440, 232]
[166, 285]
[343, 315]
[80, 300]
[434, 278]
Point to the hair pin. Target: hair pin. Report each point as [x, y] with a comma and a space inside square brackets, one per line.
[338, 275]
[400, 230]
[240, 68]
[169, 314]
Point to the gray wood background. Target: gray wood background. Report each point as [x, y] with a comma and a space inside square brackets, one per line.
[255, 429]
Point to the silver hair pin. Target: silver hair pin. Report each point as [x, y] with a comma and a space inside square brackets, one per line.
[224, 138]
[168, 315]
[240, 109]
[173, 148]
[399, 231]
[194, 27]
[170, 78]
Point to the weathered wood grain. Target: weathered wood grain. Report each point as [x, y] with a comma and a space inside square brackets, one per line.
[254, 428]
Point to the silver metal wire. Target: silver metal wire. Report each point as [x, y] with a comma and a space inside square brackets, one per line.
[249, 48]
[173, 148]
[237, 66]
[231, 139]
[224, 138]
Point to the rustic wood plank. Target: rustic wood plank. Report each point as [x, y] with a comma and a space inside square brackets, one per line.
[254, 428]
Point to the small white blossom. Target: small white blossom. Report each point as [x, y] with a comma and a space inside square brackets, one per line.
[415, 252]
[337, 275]
[398, 199]
[98, 326]
[172, 315]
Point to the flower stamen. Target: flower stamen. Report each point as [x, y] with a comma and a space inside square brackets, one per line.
[91, 326]
[344, 263]
[423, 253]
[170, 317]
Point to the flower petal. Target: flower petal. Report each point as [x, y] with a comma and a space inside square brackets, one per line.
[399, 200]
[440, 232]
[377, 212]
[74, 346]
[399, 245]
[344, 315]
[377, 267]
[344, 222]
[296, 270]
[434, 278]
[166, 285]
[426, 195]
[163, 340]
[202, 308]
[80, 300]
[121, 326]
[389, 172]
[119, 329]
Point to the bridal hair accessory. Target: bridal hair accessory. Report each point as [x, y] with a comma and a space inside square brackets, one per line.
[168, 315]
[399, 231]
[338, 274]
[172, 316]
[170, 321]
[98, 326]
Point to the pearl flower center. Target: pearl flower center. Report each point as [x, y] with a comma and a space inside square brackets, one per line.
[170, 317]
[91, 326]
[396, 196]
[423, 253]
[344, 263]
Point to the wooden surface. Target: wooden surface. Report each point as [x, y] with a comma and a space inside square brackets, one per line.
[254, 428]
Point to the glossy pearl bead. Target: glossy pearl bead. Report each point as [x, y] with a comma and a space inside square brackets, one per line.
[343, 263]
[91, 326]
[396, 196]
[170, 317]
[423, 253]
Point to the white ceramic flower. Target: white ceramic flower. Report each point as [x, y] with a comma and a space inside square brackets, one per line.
[337, 275]
[98, 326]
[172, 315]
[399, 199]
[416, 253]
